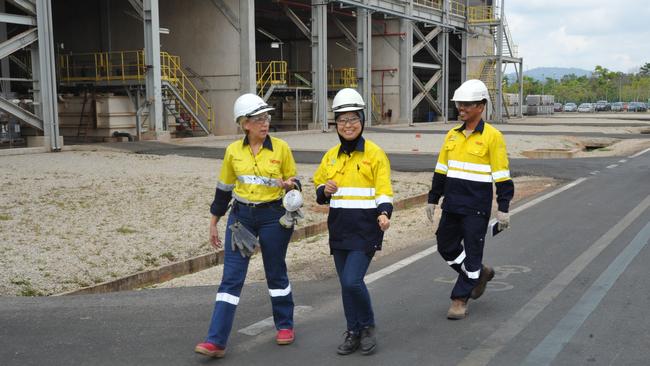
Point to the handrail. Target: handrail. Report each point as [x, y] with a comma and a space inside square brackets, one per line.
[482, 14]
[342, 78]
[270, 73]
[123, 66]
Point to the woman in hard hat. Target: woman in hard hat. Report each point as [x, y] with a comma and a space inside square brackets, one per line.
[256, 172]
[354, 179]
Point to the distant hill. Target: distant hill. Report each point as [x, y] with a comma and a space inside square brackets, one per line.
[541, 73]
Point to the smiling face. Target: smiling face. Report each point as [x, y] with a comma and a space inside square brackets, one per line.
[470, 111]
[348, 125]
[257, 127]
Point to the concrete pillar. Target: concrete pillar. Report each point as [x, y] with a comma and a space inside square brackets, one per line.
[364, 59]
[319, 62]
[247, 57]
[47, 79]
[152, 61]
[406, 72]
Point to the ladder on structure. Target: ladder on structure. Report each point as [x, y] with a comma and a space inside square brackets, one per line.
[86, 122]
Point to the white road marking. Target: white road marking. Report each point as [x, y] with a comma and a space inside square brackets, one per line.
[612, 166]
[508, 330]
[408, 260]
[595, 172]
[639, 153]
[266, 324]
[622, 160]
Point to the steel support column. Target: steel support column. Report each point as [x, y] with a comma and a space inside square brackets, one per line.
[364, 59]
[521, 88]
[406, 72]
[443, 83]
[49, 108]
[319, 61]
[498, 103]
[247, 56]
[152, 60]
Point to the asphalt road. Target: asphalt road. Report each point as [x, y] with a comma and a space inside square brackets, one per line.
[416, 162]
[570, 289]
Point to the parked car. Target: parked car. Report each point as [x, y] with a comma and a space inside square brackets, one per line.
[602, 106]
[570, 107]
[617, 107]
[586, 108]
[637, 107]
[557, 107]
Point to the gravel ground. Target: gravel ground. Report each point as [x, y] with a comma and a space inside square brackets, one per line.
[73, 219]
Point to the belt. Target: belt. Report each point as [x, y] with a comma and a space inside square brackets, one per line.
[261, 204]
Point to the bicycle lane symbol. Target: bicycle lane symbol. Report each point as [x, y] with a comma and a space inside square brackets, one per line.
[500, 273]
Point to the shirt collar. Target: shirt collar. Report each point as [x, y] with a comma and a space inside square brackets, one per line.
[267, 142]
[360, 146]
[479, 127]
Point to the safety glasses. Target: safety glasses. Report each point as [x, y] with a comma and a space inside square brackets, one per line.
[344, 121]
[465, 105]
[260, 118]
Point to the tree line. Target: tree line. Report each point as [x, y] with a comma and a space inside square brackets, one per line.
[603, 84]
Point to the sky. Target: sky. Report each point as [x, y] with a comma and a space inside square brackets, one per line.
[581, 33]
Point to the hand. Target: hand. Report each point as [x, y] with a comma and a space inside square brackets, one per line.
[504, 220]
[431, 209]
[288, 184]
[214, 237]
[330, 188]
[384, 222]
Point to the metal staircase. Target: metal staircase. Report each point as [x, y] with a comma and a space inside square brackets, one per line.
[181, 98]
[490, 16]
[270, 75]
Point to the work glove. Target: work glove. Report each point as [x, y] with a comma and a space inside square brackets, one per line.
[431, 209]
[503, 219]
[243, 240]
[291, 218]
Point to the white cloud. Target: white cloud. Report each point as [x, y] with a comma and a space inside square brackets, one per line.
[581, 33]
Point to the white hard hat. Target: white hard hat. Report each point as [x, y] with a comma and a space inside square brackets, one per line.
[347, 100]
[472, 90]
[292, 201]
[250, 105]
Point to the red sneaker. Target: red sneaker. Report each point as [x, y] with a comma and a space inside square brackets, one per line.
[210, 350]
[284, 336]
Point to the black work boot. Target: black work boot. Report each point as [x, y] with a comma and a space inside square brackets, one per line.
[487, 274]
[368, 340]
[350, 344]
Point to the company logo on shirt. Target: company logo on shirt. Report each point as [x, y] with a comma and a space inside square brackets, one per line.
[479, 143]
[273, 161]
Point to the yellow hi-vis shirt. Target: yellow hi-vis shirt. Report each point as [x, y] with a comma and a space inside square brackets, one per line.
[470, 166]
[254, 178]
[364, 192]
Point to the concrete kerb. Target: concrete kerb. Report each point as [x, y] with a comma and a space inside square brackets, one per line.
[205, 261]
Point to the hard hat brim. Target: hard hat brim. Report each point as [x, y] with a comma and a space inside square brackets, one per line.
[260, 111]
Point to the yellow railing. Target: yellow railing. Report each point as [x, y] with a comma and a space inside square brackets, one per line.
[270, 73]
[376, 107]
[342, 78]
[127, 66]
[434, 4]
[457, 7]
[482, 14]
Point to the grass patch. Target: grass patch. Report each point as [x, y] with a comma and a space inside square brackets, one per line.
[5, 217]
[126, 230]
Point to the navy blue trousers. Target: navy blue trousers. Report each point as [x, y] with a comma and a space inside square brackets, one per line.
[460, 242]
[274, 240]
[351, 267]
